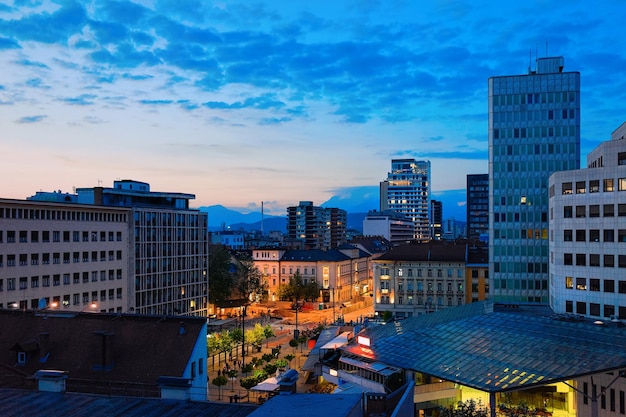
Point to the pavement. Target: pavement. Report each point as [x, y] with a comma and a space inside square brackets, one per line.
[283, 330]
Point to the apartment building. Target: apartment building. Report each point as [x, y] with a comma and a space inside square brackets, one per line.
[342, 274]
[316, 227]
[420, 278]
[588, 234]
[391, 225]
[406, 190]
[477, 189]
[64, 256]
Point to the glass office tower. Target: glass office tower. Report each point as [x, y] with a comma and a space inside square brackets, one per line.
[534, 130]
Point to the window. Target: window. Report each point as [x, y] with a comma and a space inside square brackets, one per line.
[609, 285]
[594, 210]
[581, 211]
[581, 187]
[594, 186]
[594, 284]
[569, 282]
[594, 259]
[609, 261]
[581, 235]
[621, 210]
[608, 185]
[621, 184]
[594, 235]
[621, 235]
[568, 259]
[566, 188]
[609, 235]
[581, 259]
[567, 212]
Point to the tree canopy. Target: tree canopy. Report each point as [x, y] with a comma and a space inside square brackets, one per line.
[298, 290]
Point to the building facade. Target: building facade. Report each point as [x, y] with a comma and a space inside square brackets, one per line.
[588, 234]
[64, 256]
[477, 189]
[343, 274]
[406, 190]
[317, 227]
[534, 130]
[393, 226]
[414, 279]
[136, 250]
[436, 213]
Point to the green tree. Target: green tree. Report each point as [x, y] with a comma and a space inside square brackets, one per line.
[256, 335]
[219, 382]
[248, 383]
[232, 375]
[268, 332]
[221, 278]
[469, 408]
[296, 289]
[249, 283]
[290, 357]
[294, 344]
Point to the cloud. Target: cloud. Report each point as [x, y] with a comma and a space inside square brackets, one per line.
[31, 119]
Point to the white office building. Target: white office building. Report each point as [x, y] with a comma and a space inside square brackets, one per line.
[588, 234]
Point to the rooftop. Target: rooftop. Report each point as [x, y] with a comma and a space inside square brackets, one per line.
[496, 348]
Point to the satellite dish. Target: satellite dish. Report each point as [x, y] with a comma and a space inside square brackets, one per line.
[42, 303]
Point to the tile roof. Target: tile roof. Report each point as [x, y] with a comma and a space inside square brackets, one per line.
[497, 348]
[20, 403]
[143, 347]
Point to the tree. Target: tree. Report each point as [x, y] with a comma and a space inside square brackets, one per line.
[469, 408]
[294, 344]
[296, 289]
[268, 332]
[221, 278]
[219, 382]
[256, 335]
[290, 357]
[249, 283]
[232, 375]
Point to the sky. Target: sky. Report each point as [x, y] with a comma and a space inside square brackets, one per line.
[276, 101]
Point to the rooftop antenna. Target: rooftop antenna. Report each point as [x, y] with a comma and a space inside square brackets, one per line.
[530, 59]
[546, 48]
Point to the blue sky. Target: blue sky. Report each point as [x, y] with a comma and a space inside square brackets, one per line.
[240, 102]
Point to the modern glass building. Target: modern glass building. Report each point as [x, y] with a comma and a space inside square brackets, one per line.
[407, 190]
[534, 130]
[477, 205]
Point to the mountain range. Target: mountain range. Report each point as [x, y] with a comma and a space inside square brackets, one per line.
[222, 218]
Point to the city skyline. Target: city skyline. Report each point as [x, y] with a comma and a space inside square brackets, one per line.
[239, 102]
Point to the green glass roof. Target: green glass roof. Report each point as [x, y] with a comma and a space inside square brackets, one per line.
[495, 347]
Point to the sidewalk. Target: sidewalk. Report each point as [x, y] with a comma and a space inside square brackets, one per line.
[283, 330]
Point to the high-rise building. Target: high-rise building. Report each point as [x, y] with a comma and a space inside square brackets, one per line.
[588, 234]
[393, 226]
[407, 190]
[477, 190]
[534, 130]
[317, 227]
[436, 213]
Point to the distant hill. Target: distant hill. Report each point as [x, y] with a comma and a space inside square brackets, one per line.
[221, 218]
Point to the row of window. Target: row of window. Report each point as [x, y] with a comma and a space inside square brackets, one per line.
[67, 299]
[60, 257]
[534, 98]
[594, 309]
[535, 132]
[608, 210]
[581, 187]
[35, 236]
[580, 259]
[593, 235]
[384, 272]
[610, 393]
[58, 279]
[61, 214]
[594, 284]
[428, 303]
[166, 219]
[420, 286]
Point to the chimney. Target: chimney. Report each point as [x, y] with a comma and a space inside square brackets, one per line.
[44, 349]
[49, 380]
[106, 360]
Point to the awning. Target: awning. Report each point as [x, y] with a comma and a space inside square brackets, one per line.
[269, 385]
[338, 341]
